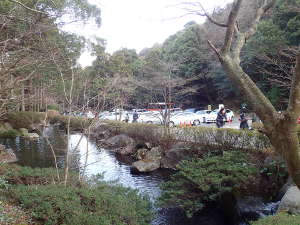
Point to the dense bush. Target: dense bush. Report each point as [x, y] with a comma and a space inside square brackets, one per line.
[225, 137]
[9, 133]
[105, 205]
[143, 132]
[24, 119]
[53, 107]
[279, 219]
[76, 123]
[15, 174]
[200, 181]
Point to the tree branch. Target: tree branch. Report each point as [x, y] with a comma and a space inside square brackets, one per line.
[259, 13]
[26, 7]
[215, 50]
[205, 13]
[231, 23]
[294, 102]
[210, 18]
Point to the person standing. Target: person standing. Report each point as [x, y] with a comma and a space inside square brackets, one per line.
[135, 116]
[127, 118]
[243, 120]
[221, 117]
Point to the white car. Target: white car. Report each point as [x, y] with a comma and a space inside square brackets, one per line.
[113, 116]
[202, 114]
[185, 119]
[211, 116]
[229, 115]
[150, 117]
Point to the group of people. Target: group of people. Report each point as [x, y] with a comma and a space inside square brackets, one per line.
[135, 117]
[221, 118]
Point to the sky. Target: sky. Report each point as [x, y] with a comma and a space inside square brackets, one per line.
[138, 24]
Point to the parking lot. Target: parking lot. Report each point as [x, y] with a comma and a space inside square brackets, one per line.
[205, 118]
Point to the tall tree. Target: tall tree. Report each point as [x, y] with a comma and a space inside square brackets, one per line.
[281, 128]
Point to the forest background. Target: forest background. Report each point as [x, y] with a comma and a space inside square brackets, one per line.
[39, 62]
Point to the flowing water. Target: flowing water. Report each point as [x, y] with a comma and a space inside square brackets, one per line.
[101, 161]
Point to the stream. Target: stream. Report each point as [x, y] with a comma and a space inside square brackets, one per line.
[106, 163]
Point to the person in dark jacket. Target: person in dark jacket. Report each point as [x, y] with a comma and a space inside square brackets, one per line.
[243, 120]
[135, 116]
[221, 117]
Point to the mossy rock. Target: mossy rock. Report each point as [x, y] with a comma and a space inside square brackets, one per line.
[32, 136]
[23, 131]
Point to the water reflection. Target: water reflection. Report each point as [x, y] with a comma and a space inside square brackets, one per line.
[101, 161]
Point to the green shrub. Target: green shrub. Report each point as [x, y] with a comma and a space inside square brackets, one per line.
[105, 205]
[76, 123]
[15, 174]
[279, 219]
[3, 183]
[9, 133]
[225, 138]
[23, 119]
[200, 181]
[143, 132]
[53, 107]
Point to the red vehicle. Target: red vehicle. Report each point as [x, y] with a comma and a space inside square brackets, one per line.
[298, 121]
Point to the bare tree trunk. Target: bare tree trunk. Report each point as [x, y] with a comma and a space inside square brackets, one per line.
[280, 128]
[23, 98]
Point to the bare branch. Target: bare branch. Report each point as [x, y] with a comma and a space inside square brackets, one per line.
[204, 13]
[28, 8]
[215, 50]
[231, 26]
[294, 103]
[259, 13]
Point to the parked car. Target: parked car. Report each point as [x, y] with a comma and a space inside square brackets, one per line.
[202, 115]
[298, 121]
[150, 117]
[113, 116]
[229, 115]
[184, 118]
[211, 116]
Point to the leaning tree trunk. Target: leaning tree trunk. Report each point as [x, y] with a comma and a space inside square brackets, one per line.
[284, 139]
[280, 128]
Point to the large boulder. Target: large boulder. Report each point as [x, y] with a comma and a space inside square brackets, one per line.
[127, 150]
[121, 140]
[175, 154]
[146, 165]
[154, 154]
[23, 131]
[285, 188]
[7, 155]
[291, 201]
[141, 153]
[100, 130]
